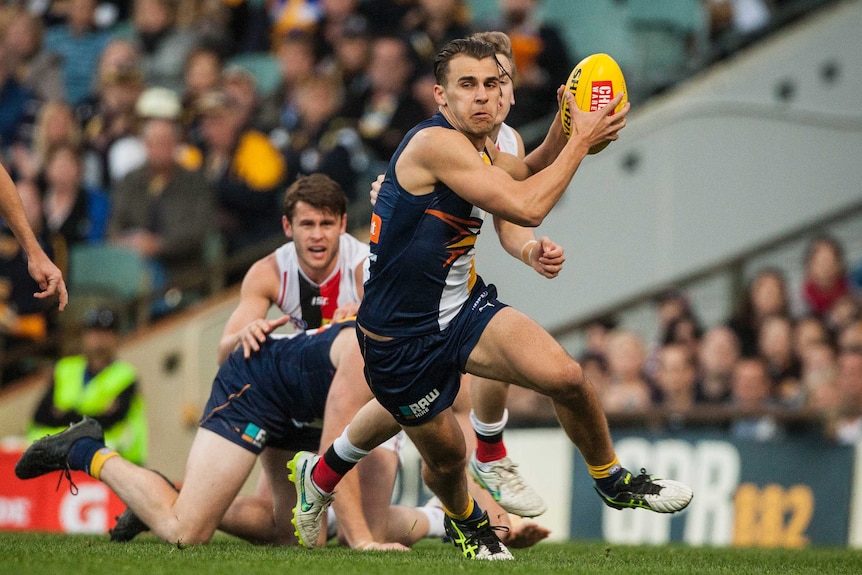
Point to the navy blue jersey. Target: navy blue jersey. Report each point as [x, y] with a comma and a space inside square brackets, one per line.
[278, 395]
[421, 269]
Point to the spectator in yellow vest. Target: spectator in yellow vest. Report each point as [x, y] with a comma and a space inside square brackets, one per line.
[97, 384]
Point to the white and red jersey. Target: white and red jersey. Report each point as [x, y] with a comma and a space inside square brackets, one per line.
[301, 298]
[507, 141]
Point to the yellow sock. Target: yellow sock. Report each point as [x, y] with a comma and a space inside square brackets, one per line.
[602, 471]
[99, 460]
[462, 516]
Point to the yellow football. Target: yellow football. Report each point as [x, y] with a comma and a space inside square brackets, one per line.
[594, 82]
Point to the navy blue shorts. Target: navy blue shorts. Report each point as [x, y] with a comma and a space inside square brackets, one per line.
[266, 401]
[416, 378]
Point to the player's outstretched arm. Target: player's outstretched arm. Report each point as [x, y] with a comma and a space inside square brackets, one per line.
[47, 275]
[247, 326]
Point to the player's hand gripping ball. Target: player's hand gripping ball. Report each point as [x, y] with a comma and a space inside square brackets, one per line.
[594, 82]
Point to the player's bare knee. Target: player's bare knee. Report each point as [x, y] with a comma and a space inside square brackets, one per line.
[443, 467]
[570, 383]
[179, 534]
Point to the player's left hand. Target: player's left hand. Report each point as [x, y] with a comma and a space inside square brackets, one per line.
[345, 311]
[547, 257]
[254, 334]
[375, 546]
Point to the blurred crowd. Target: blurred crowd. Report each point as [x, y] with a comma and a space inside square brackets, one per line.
[166, 127]
[771, 368]
[172, 128]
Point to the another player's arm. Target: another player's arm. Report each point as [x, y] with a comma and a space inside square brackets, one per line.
[347, 394]
[247, 325]
[543, 255]
[551, 146]
[48, 276]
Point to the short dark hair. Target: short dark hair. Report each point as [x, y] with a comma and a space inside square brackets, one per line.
[472, 47]
[318, 191]
[502, 43]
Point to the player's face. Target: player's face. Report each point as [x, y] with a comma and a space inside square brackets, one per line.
[507, 88]
[316, 235]
[471, 97]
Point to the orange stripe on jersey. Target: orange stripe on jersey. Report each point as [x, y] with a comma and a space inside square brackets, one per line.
[374, 230]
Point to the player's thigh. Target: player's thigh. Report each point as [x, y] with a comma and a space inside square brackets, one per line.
[514, 348]
[274, 462]
[463, 403]
[215, 472]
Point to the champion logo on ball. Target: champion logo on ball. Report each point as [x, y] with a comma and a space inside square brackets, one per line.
[601, 94]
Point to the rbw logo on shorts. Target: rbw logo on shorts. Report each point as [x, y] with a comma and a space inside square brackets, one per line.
[601, 94]
[254, 435]
[421, 407]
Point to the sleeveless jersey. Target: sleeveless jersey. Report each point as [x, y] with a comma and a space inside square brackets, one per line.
[421, 264]
[314, 303]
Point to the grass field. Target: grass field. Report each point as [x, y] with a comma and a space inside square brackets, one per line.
[37, 554]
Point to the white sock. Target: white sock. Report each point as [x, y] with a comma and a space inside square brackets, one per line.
[435, 520]
[346, 450]
[488, 429]
[331, 523]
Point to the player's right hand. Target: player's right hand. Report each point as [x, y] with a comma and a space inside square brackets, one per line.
[254, 334]
[48, 277]
[599, 126]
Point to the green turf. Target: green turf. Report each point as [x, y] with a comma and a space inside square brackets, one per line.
[36, 554]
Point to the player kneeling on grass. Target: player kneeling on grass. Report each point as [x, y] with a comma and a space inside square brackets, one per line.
[269, 405]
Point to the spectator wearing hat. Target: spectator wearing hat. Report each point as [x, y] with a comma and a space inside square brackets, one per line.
[99, 385]
[246, 170]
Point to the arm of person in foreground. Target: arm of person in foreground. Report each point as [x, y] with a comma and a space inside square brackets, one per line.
[46, 274]
[247, 326]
